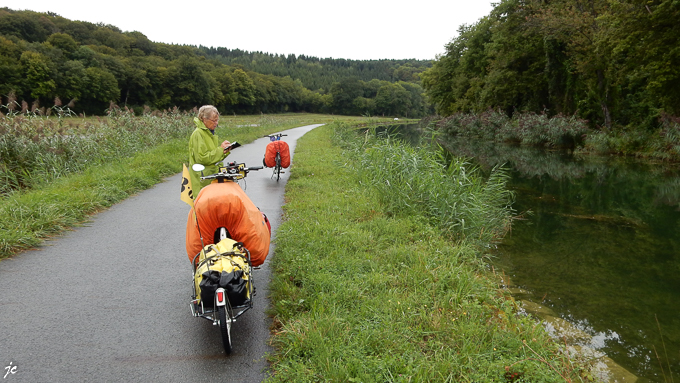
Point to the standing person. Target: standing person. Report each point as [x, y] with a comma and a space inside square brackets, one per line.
[204, 147]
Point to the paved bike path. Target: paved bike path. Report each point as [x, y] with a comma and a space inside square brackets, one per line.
[109, 301]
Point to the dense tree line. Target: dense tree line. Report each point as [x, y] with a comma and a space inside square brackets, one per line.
[320, 73]
[615, 64]
[44, 56]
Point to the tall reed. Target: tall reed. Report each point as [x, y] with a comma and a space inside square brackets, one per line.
[36, 149]
[450, 192]
[662, 143]
[529, 129]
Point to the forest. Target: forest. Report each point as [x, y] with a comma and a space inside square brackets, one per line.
[615, 64]
[319, 73]
[45, 57]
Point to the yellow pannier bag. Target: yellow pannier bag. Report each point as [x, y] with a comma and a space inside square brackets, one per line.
[223, 265]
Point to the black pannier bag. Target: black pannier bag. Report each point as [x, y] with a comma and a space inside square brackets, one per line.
[232, 283]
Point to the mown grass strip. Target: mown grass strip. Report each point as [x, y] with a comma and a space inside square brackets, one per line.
[360, 295]
[30, 217]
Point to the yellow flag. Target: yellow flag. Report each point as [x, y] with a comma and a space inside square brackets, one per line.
[187, 194]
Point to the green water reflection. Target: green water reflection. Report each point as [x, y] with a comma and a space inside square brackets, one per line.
[601, 248]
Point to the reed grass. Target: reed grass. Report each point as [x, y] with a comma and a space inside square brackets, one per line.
[661, 144]
[566, 132]
[36, 150]
[67, 174]
[362, 293]
[530, 129]
[426, 180]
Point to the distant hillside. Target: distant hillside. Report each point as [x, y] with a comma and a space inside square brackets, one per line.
[320, 73]
[44, 56]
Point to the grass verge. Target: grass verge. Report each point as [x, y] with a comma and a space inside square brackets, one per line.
[362, 295]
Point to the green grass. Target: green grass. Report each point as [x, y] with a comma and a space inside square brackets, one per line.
[359, 292]
[36, 150]
[51, 205]
[426, 180]
[363, 294]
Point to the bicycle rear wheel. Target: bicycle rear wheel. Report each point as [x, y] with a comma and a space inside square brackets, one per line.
[224, 317]
[278, 166]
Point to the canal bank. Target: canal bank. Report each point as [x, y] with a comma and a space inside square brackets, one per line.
[365, 293]
[596, 244]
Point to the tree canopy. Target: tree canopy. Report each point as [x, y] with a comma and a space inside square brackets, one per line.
[613, 63]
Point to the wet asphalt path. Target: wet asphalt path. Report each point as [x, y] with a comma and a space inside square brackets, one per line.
[109, 301]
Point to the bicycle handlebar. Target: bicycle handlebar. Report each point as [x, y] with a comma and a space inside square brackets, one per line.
[232, 171]
[277, 135]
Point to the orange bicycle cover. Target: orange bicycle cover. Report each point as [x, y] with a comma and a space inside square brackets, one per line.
[227, 205]
[270, 154]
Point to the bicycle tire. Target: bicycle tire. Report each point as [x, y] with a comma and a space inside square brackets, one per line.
[224, 317]
[278, 166]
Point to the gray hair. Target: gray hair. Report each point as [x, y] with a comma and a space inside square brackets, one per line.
[206, 112]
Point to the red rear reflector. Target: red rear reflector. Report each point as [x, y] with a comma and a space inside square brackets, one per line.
[220, 296]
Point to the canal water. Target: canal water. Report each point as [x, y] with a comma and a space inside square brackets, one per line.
[596, 244]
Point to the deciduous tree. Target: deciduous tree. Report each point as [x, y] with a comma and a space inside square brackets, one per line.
[38, 80]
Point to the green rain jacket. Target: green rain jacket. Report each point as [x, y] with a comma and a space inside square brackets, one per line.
[204, 149]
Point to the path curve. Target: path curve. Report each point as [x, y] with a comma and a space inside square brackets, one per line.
[109, 301]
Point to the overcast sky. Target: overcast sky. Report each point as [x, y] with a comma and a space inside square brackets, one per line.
[350, 29]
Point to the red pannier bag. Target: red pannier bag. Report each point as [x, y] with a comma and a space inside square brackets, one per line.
[227, 205]
[270, 154]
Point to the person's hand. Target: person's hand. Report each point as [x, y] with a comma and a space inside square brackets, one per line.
[225, 144]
